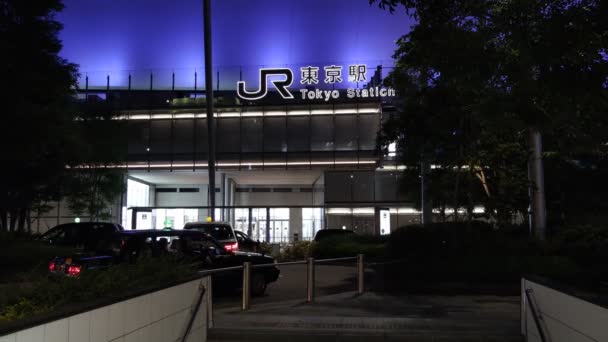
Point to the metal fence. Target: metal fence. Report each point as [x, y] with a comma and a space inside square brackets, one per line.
[247, 268]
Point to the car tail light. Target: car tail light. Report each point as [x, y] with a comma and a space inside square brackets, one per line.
[52, 266]
[74, 270]
[231, 247]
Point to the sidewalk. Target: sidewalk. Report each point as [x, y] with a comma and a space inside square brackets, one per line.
[373, 317]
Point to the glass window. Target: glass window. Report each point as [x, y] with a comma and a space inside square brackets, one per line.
[139, 136]
[201, 136]
[174, 218]
[346, 133]
[228, 140]
[298, 133]
[312, 222]
[274, 134]
[258, 224]
[241, 219]
[251, 135]
[138, 194]
[183, 137]
[322, 133]
[160, 131]
[368, 128]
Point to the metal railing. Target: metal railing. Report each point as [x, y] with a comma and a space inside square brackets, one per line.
[310, 276]
[538, 319]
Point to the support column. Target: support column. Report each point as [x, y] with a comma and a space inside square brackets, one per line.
[425, 202]
[295, 224]
[267, 224]
[537, 181]
[209, 102]
[224, 201]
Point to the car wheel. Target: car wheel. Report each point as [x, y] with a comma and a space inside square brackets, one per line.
[258, 285]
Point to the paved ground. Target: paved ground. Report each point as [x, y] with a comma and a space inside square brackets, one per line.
[339, 315]
[373, 317]
[330, 279]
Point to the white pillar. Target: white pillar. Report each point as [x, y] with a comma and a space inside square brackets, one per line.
[295, 223]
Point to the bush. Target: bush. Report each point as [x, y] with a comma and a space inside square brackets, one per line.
[585, 244]
[21, 257]
[349, 245]
[52, 293]
[458, 239]
[295, 252]
[475, 252]
[265, 248]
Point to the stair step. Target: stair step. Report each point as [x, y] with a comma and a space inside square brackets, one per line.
[354, 335]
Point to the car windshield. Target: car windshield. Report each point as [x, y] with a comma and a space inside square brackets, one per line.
[218, 231]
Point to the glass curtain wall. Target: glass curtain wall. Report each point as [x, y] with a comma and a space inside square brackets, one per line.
[312, 222]
[256, 142]
[138, 195]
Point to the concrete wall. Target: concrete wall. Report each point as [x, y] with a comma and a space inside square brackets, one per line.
[186, 199]
[567, 318]
[260, 199]
[159, 316]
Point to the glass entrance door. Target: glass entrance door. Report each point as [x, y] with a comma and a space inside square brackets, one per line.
[279, 231]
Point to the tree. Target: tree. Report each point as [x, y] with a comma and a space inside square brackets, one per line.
[98, 180]
[37, 116]
[477, 75]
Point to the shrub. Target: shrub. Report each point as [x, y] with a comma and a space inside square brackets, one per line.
[348, 246]
[458, 239]
[585, 244]
[265, 248]
[297, 251]
[55, 292]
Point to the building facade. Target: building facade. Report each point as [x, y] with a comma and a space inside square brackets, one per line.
[287, 163]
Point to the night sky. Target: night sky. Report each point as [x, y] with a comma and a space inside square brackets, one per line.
[112, 36]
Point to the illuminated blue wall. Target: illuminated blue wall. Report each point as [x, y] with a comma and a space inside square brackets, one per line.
[141, 36]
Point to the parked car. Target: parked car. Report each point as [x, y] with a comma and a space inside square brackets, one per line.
[325, 234]
[89, 245]
[192, 244]
[246, 243]
[221, 231]
[90, 236]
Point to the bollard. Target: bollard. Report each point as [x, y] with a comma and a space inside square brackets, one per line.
[246, 284]
[209, 302]
[310, 287]
[360, 274]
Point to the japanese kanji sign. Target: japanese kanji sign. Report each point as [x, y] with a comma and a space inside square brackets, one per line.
[310, 76]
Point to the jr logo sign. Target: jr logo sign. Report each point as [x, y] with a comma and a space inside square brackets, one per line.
[280, 85]
[282, 79]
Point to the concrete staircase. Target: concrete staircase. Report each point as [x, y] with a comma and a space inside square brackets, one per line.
[374, 317]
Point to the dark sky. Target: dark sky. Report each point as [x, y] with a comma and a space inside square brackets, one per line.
[117, 35]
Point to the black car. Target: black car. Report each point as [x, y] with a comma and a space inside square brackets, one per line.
[84, 235]
[193, 244]
[246, 243]
[221, 231]
[83, 245]
[325, 234]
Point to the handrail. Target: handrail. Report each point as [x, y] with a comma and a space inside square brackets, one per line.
[301, 262]
[193, 312]
[537, 318]
[279, 264]
[219, 270]
[335, 259]
[310, 274]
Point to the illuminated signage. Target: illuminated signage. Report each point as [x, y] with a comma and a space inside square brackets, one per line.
[385, 222]
[309, 77]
